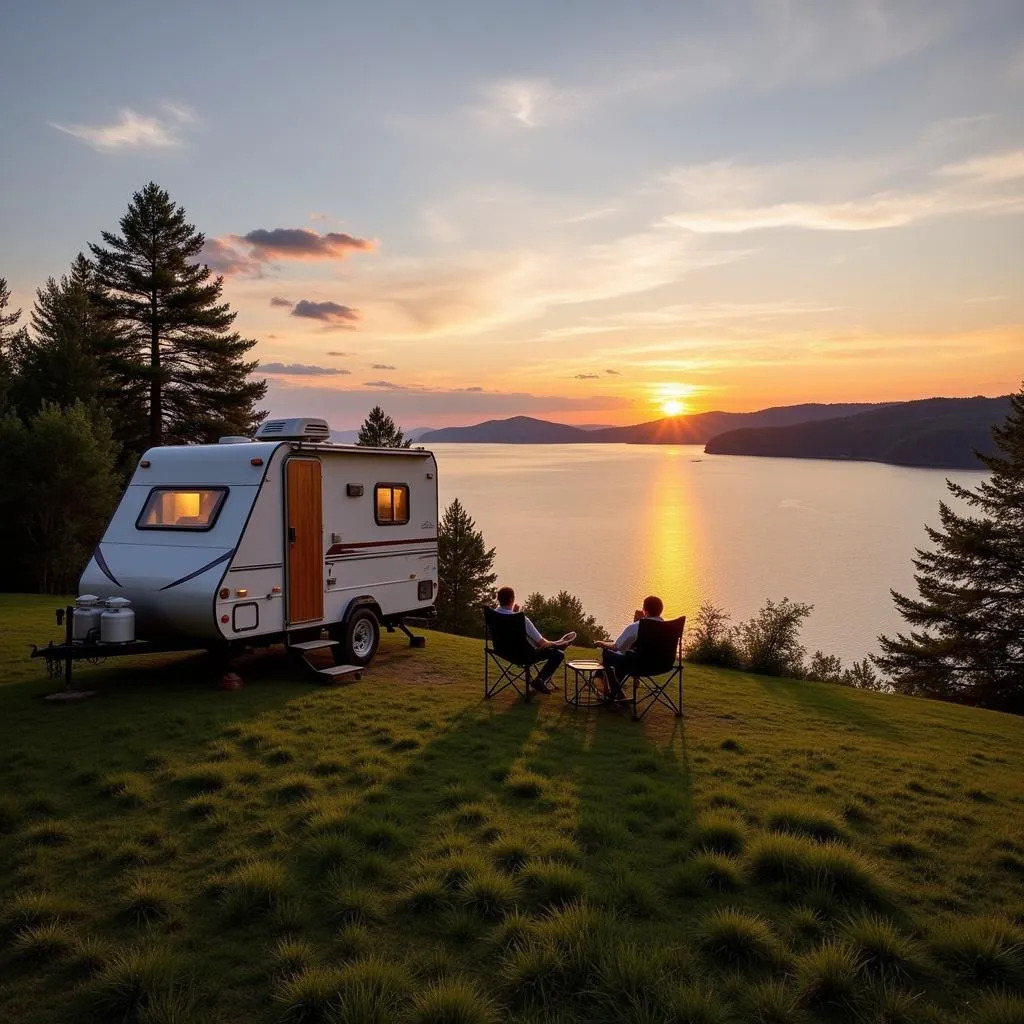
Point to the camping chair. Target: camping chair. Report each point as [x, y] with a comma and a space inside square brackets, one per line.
[506, 645]
[659, 652]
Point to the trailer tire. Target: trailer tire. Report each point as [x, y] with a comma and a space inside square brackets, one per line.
[362, 635]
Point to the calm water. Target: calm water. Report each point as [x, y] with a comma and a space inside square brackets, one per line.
[614, 522]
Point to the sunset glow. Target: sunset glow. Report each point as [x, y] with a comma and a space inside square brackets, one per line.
[511, 222]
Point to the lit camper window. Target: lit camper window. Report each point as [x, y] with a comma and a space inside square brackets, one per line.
[181, 508]
[391, 504]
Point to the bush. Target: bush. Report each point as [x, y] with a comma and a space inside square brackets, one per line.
[769, 643]
[709, 638]
[561, 614]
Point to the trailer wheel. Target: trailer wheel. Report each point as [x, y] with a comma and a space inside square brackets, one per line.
[362, 635]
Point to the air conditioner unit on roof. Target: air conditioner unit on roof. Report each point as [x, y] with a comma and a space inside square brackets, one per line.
[299, 429]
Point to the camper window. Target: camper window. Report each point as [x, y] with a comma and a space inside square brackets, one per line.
[391, 504]
[181, 508]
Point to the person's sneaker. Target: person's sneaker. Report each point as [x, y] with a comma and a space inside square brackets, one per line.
[543, 685]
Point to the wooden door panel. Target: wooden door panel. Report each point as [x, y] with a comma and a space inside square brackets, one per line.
[305, 541]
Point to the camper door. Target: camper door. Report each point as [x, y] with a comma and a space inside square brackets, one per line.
[304, 540]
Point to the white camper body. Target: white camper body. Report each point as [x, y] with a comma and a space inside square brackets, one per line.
[260, 541]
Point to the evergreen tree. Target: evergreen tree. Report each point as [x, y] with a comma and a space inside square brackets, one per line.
[968, 642]
[60, 487]
[464, 566]
[178, 353]
[12, 340]
[561, 614]
[67, 358]
[378, 430]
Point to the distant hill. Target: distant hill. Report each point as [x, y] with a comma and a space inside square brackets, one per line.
[517, 430]
[696, 429]
[935, 432]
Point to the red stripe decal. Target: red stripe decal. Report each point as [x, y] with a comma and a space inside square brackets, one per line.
[340, 549]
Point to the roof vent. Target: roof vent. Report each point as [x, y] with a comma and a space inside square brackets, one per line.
[299, 429]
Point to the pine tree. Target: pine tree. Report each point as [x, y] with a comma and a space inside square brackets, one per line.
[12, 340]
[378, 430]
[968, 642]
[178, 353]
[465, 579]
[68, 357]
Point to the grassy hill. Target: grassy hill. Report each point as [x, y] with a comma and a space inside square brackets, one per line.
[400, 850]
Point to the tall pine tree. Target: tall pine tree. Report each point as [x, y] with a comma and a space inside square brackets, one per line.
[178, 352]
[12, 340]
[968, 642]
[379, 430]
[465, 579]
[68, 356]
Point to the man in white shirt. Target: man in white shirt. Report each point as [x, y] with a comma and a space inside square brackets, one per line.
[617, 656]
[553, 655]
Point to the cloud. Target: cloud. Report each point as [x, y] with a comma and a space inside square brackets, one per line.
[278, 301]
[222, 258]
[300, 370]
[339, 353]
[995, 168]
[526, 102]
[249, 254]
[588, 376]
[385, 385]
[317, 215]
[383, 366]
[134, 131]
[614, 373]
[332, 313]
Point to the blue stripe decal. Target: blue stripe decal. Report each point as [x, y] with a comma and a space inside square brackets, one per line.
[199, 572]
[104, 568]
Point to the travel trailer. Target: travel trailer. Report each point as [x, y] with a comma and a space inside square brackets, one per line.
[253, 542]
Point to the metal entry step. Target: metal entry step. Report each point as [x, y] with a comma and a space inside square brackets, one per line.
[340, 671]
[313, 645]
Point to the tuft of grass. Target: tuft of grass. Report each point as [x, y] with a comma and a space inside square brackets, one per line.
[603, 831]
[295, 787]
[460, 925]
[208, 779]
[693, 1003]
[885, 951]
[739, 939]
[88, 955]
[513, 932]
[490, 895]
[308, 996]
[801, 864]
[631, 893]
[805, 819]
[564, 851]
[133, 980]
[829, 976]
[43, 943]
[716, 872]
[48, 833]
[378, 834]
[150, 900]
[510, 854]
[720, 832]
[132, 789]
[524, 784]
[331, 850]
[772, 1002]
[552, 884]
[998, 1008]
[292, 956]
[452, 1001]
[424, 896]
[353, 941]
[254, 887]
[350, 903]
[985, 950]
[27, 908]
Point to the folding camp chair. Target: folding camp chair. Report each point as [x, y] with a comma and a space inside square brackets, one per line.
[658, 652]
[513, 655]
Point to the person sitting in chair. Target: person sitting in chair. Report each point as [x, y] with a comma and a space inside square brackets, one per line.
[548, 651]
[617, 656]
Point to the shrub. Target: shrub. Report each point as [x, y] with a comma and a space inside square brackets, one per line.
[769, 643]
[452, 1001]
[828, 976]
[805, 819]
[558, 615]
[709, 638]
[986, 950]
[720, 832]
[739, 939]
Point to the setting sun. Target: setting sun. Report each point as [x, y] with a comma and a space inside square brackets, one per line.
[672, 407]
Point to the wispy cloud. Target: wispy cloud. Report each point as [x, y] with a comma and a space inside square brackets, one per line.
[385, 385]
[250, 254]
[278, 300]
[526, 102]
[995, 168]
[587, 376]
[614, 373]
[332, 313]
[300, 370]
[383, 366]
[135, 131]
[339, 354]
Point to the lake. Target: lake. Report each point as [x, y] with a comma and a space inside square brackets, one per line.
[612, 523]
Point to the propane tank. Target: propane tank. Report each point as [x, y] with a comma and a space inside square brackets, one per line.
[86, 618]
[117, 623]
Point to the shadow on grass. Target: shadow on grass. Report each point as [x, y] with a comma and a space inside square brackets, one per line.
[834, 702]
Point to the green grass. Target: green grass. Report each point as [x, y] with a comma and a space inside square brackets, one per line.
[400, 850]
